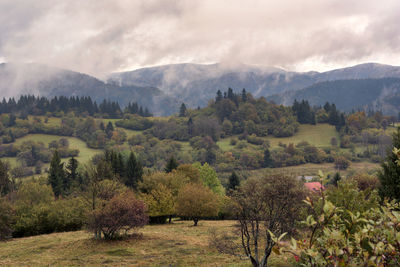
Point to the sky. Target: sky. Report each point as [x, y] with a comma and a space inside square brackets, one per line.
[99, 37]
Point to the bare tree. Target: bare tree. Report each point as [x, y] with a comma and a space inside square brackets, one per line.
[265, 207]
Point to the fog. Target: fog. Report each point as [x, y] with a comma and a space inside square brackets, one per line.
[99, 37]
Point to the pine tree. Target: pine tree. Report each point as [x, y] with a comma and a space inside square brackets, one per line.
[268, 162]
[109, 129]
[56, 174]
[218, 98]
[134, 171]
[171, 165]
[389, 175]
[190, 126]
[182, 110]
[5, 182]
[233, 181]
[71, 171]
[244, 95]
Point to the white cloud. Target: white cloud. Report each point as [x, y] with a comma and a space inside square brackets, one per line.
[99, 37]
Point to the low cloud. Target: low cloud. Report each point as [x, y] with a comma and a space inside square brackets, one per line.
[100, 37]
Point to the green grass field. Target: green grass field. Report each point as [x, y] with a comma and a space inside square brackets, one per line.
[176, 244]
[313, 169]
[85, 153]
[319, 135]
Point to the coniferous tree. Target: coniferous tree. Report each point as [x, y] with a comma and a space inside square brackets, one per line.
[219, 97]
[336, 178]
[109, 129]
[244, 95]
[389, 175]
[134, 171]
[182, 110]
[71, 171]
[268, 162]
[171, 165]
[190, 126]
[56, 174]
[233, 181]
[5, 182]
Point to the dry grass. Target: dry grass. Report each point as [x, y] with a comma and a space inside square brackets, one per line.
[313, 169]
[177, 244]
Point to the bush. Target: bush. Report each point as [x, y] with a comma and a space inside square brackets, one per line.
[7, 218]
[341, 163]
[122, 213]
[195, 201]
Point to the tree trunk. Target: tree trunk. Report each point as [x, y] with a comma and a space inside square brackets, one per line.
[195, 221]
[170, 219]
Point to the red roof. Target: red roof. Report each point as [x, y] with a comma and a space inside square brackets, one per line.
[314, 186]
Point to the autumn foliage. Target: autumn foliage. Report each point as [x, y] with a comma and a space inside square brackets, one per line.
[121, 214]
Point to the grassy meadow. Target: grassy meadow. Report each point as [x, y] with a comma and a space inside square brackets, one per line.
[85, 153]
[176, 244]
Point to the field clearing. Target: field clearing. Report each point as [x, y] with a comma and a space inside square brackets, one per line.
[11, 160]
[225, 144]
[319, 135]
[85, 153]
[312, 169]
[176, 244]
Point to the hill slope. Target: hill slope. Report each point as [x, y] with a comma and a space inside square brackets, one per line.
[379, 94]
[195, 84]
[47, 81]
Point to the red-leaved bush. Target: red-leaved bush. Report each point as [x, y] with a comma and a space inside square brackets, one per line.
[119, 215]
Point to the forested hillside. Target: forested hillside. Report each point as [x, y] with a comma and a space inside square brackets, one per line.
[365, 94]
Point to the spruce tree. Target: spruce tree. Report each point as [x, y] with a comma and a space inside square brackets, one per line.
[218, 98]
[233, 181]
[389, 175]
[71, 172]
[182, 110]
[109, 129]
[268, 162]
[171, 165]
[244, 95]
[56, 174]
[134, 171]
[5, 182]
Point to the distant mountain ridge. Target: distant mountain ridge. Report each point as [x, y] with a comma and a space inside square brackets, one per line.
[48, 81]
[196, 84]
[163, 88]
[364, 94]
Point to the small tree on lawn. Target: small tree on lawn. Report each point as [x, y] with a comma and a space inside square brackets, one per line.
[195, 201]
[341, 163]
[265, 207]
[119, 215]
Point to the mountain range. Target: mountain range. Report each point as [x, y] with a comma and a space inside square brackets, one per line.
[163, 88]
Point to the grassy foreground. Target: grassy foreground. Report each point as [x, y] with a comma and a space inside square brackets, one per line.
[177, 244]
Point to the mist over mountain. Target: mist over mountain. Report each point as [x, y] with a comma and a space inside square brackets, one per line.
[17, 79]
[163, 88]
[365, 94]
[195, 84]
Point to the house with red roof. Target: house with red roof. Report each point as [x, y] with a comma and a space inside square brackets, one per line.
[314, 186]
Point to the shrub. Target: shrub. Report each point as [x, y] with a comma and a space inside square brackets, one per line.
[341, 163]
[195, 201]
[7, 218]
[122, 213]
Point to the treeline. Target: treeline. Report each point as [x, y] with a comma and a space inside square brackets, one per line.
[312, 115]
[32, 105]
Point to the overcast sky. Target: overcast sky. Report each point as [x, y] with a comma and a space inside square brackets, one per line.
[99, 37]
